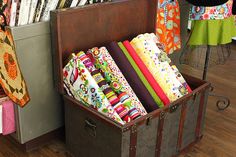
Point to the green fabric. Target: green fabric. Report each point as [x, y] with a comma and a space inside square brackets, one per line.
[212, 32]
[141, 76]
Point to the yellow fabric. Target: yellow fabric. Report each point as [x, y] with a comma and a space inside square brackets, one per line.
[154, 69]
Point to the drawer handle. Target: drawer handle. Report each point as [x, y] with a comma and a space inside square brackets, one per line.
[90, 127]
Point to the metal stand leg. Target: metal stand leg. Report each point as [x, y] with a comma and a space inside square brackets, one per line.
[206, 62]
[223, 102]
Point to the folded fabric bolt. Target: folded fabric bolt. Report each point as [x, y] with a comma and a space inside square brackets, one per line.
[159, 53]
[152, 48]
[178, 89]
[116, 79]
[156, 72]
[181, 78]
[116, 71]
[82, 86]
[159, 70]
[140, 75]
[8, 117]
[147, 74]
[152, 36]
[131, 76]
[119, 107]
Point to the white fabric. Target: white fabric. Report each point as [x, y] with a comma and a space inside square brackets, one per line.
[24, 12]
[13, 13]
[32, 11]
[74, 3]
[39, 10]
[82, 2]
[51, 5]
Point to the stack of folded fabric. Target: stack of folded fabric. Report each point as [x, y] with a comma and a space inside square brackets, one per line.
[105, 78]
[170, 88]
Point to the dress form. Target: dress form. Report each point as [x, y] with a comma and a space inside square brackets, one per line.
[212, 27]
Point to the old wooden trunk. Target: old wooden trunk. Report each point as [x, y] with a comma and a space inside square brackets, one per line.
[164, 132]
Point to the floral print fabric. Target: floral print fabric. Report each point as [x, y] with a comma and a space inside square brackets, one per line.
[181, 78]
[79, 84]
[112, 73]
[107, 90]
[168, 25]
[161, 70]
[211, 13]
[95, 79]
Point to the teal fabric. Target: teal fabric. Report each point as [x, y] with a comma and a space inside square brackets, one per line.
[212, 32]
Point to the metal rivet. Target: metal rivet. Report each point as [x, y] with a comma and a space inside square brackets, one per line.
[162, 115]
[134, 128]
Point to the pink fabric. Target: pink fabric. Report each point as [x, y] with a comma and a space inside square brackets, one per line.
[158, 90]
[189, 89]
[8, 117]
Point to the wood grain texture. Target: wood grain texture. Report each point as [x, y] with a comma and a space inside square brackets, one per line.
[219, 136]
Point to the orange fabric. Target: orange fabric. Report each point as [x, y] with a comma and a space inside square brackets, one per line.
[11, 79]
[168, 25]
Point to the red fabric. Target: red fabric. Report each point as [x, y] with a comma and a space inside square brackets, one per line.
[189, 89]
[158, 90]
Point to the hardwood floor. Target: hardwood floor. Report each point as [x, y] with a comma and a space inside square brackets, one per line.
[220, 132]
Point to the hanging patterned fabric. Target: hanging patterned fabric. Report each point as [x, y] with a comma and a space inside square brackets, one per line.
[115, 101]
[168, 25]
[211, 13]
[11, 78]
[79, 84]
[117, 81]
[212, 25]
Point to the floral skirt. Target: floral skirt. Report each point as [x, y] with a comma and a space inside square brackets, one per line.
[213, 32]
